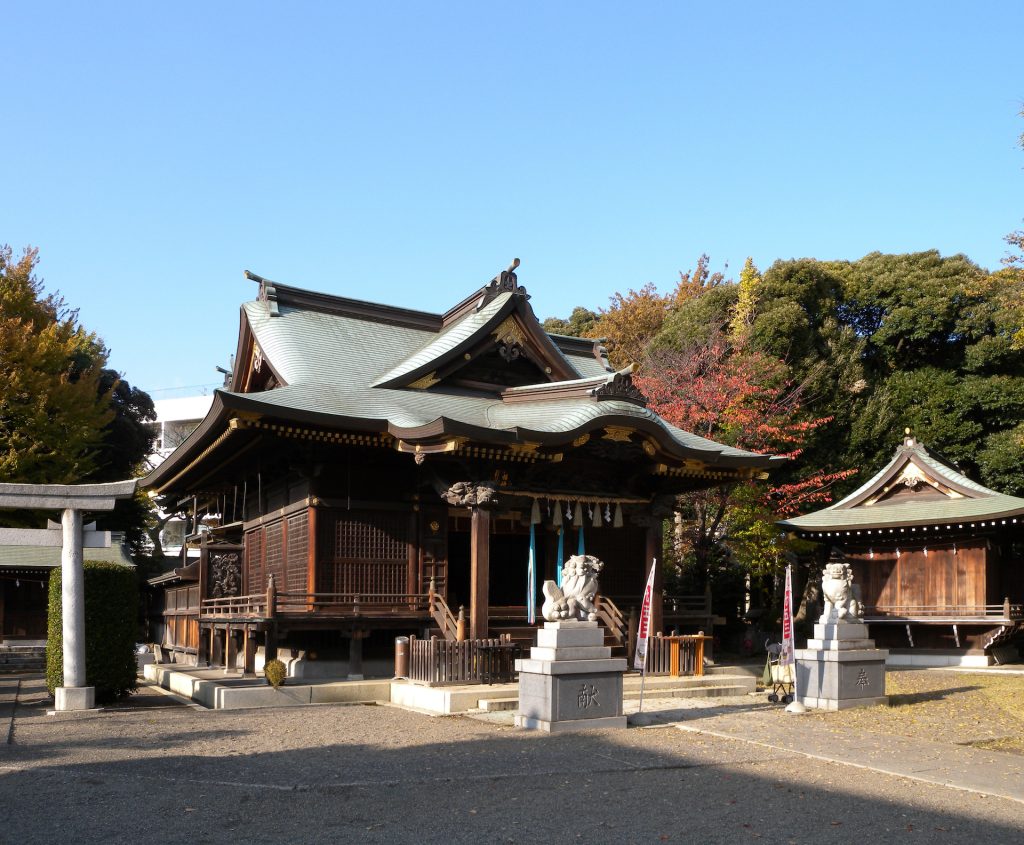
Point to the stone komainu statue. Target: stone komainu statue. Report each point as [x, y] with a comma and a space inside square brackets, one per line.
[842, 596]
[574, 600]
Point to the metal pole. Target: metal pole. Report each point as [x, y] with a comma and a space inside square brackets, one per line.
[643, 680]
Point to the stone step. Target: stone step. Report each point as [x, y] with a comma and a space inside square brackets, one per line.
[753, 670]
[688, 692]
[492, 705]
[657, 682]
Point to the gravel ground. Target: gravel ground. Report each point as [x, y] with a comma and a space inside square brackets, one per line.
[380, 774]
[982, 709]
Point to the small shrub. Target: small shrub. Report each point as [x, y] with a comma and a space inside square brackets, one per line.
[111, 628]
[275, 672]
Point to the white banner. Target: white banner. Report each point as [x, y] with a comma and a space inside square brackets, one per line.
[786, 658]
[644, 631]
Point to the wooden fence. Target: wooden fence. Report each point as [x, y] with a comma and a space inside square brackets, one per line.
[437, 662]
[676, 656]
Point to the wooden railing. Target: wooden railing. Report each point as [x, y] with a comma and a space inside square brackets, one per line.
[688, 606]
[611, 618]
[436, 661]
[1006, 610]
[267, 605]
[676, 656]
[682, 607]
[251, 607]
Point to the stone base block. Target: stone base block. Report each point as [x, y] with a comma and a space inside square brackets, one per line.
[841, 631]
[576, 697]
[571, 667]
[75, 698]
[556, 635]
[842, 703]
[833, 680]
[582, 652]
[840, 645]
[569, 725]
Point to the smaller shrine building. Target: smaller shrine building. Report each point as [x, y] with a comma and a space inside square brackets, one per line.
[938, 557]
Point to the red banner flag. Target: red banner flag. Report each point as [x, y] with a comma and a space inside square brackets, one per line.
[644, 631]
[787, 621]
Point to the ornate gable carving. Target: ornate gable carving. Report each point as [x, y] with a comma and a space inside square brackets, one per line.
[621, 386]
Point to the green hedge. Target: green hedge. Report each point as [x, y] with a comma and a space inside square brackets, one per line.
[111, 628]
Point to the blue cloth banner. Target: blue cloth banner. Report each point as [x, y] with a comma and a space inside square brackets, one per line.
[579, 549]
[531, 577]
[561, 557]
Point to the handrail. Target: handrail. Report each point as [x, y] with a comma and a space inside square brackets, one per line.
[442, 615]
[611, 617]
[1006, 610]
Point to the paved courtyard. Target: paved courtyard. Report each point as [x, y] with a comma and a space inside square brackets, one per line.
[162, 771]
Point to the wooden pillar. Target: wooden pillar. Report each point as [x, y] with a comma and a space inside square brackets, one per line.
[480, 572]
[249, 652]
[311, 539]
[355, 656]
[203, 650]
[230, 651]
[654, 552]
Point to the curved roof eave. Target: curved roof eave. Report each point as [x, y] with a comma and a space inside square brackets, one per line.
[205, 433]
[443, 426]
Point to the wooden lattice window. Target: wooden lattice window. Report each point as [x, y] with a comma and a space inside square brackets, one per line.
[254, 582]
[368, 554]
[298, 552]
[382, 536]
[273, 553]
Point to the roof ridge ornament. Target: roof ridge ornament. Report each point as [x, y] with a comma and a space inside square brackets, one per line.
[620, 386]
[505, 282]
[267, 295]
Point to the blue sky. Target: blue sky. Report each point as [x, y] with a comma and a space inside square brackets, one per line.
[405, 152]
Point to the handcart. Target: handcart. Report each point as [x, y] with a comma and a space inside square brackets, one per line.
[778, 675]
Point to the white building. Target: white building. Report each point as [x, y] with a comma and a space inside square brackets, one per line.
[176, 419]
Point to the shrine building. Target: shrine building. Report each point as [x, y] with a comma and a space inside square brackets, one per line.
[373, 469]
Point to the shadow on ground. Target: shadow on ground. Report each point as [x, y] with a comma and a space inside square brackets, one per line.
[378, 774]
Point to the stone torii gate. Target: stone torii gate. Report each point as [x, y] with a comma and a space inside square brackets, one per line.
[72, 500]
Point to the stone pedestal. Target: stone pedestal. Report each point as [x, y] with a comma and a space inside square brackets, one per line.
[840, 668]
[570, 681]
[74, 698]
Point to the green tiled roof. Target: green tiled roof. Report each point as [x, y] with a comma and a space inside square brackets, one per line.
[971, 502]
[347, 364]
[49, 556]
[331, 363]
